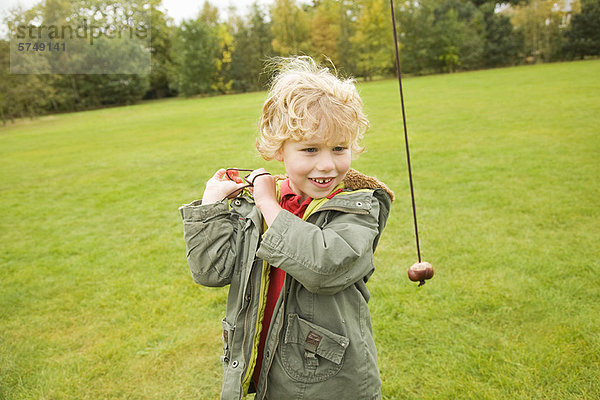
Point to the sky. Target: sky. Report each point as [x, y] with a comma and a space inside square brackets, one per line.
[177, 9]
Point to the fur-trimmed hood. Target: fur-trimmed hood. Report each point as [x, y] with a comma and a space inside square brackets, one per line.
[355, 180]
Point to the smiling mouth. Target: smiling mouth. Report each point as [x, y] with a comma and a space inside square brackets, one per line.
[321, 181]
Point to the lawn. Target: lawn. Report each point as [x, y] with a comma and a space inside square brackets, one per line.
[96, 300]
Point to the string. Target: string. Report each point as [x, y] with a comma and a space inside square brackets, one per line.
[245, 178]
[412, 192]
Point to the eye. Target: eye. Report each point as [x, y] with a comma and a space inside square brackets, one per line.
[339, 149]
[310, 149]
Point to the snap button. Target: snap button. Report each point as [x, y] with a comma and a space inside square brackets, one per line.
[237, 202]
[234, 364]
[359, 203]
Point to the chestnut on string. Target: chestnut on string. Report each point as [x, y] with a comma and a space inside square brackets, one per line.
[420, 272]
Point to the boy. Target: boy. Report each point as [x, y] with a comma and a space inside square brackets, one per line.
[297, 251]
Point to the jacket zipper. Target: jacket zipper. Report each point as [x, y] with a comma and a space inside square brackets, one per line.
[264, 282]
[246, 324]
[282, 309]
[247, 320]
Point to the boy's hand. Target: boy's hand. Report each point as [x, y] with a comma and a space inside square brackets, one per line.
[220, 186]
[265, 194]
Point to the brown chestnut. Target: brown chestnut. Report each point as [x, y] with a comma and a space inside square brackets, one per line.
[420, 272]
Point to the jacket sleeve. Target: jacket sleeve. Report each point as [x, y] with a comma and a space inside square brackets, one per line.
[209, 234]
[324, 259]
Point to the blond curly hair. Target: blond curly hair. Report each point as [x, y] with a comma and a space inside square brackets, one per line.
[305, 100]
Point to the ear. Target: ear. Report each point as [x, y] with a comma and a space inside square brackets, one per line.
[279, 155]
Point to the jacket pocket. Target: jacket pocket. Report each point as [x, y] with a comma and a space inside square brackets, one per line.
[311, 353]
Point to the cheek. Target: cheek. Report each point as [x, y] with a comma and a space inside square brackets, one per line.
[297, 166]
[343, 163]
[302, 170]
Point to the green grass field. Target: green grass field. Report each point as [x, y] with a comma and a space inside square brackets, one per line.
[96, 300]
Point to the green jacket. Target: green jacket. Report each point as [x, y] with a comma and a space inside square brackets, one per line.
[320, 343]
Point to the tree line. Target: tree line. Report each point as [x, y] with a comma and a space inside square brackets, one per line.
[209, 54]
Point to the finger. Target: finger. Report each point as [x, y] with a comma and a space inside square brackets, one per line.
[219, 174]
[260, 175]
[236, 192]
[234, 175]
[257, 172]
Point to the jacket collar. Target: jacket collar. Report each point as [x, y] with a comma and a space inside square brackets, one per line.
[355, 198]
[355, 180]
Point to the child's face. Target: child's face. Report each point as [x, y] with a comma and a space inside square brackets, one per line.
[314, 167]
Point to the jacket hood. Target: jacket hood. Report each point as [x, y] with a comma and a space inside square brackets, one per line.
[355, 180]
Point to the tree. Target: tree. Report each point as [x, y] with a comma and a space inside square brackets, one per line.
[326, 31]
[252, 46]
[448, 32]
[583, 37]
[21, 95]
[162, 32]
[209, 14]
[417, 37]
[346, 55]
[222, 82]
[373, 40]
[290, 26]
[29, 92]
[223, 34]
[441, 36]
[96, 56]
[540, 21]
[195, 54]
[503, 44]
[459, 35]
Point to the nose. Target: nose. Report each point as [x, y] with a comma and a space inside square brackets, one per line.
[325, 163]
